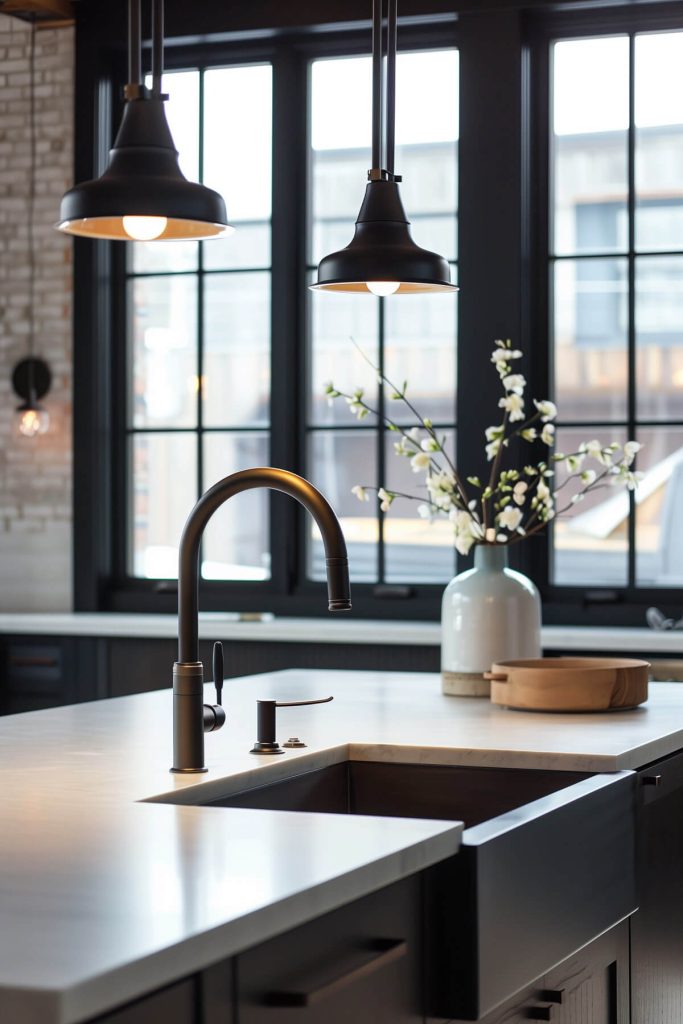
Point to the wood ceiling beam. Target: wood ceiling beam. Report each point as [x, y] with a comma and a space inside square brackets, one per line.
[43, 12]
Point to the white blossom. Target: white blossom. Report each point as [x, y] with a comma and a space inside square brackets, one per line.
[510, 517]
[424, 511]
[514, 382]
[529, 434]
[494, 433]
[504, 355]
[430, 444]
[513, 405]
[360, 493]
[385, 499]
[519, 492]
[631, 448]
[492, 449]
[548, 434]
[463, 530]
[420, 461]
[547, 409]
[588, 477]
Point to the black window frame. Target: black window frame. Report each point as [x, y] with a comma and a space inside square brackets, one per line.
[503, 232]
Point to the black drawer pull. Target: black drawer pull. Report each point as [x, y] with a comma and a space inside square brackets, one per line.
[36, 661]
[552, 995]
[652, 780]
[380, 953]
[540, 1013]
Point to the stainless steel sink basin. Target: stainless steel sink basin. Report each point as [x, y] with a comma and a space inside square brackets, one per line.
[546, 863]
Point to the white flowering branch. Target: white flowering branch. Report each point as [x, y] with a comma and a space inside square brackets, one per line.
[514, 504]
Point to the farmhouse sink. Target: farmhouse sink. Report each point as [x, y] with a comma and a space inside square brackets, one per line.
[546, 863]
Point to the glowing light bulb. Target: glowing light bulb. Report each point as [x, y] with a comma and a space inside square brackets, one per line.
[383, 288]
[144, 229]
[33, 421]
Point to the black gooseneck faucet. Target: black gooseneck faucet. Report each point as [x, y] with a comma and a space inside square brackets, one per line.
[191, 717]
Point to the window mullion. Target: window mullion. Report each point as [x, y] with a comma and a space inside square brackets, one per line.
[631, 396]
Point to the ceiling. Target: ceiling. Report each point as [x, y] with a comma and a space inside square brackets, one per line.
[45, 13]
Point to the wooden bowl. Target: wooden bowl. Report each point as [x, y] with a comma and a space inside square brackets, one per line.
[569, 684]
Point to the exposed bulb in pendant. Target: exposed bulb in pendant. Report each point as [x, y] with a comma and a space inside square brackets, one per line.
[32, 421]
[383, 288]
[144, 229]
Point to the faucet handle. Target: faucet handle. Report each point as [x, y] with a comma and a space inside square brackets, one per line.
[218, 670]
[298, 703]
[265, 723]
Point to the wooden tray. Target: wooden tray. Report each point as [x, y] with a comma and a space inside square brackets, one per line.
[569, 684]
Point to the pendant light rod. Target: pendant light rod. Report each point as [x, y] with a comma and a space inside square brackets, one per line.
[157, 45]
[134, 43]
[392, 13]
[377, 83]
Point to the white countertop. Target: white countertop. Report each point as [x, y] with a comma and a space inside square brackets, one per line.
[326, 630]
[103, 898]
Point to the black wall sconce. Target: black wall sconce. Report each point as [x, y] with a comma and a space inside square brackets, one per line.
[31, 379]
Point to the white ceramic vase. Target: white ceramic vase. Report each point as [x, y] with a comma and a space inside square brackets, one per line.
[489, 613]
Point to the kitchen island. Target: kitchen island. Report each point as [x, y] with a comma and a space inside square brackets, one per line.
[112, 886]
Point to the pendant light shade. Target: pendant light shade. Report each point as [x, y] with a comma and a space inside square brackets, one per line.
[382, 257]
[143, 195]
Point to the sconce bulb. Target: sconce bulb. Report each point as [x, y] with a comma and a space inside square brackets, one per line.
[383, 288]
[33, 421]
[144, 229]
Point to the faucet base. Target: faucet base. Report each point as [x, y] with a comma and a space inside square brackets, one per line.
[187, 771]
[266, 748]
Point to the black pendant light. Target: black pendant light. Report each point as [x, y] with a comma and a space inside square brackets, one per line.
[31, 377]
[382, 258]
[143, 194]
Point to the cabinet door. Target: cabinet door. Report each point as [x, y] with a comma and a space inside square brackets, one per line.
[657, 926]
[591, 987]
[360, 963]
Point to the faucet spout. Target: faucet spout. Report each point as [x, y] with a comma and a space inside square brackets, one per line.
[188, 716]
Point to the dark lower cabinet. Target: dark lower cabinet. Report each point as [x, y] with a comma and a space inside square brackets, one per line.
[591, 987]
[361, 963]
[657, 927]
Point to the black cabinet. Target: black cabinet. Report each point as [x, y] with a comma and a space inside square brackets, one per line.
[46, 672]
[657, 927]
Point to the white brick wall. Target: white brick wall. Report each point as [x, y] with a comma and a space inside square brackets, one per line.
[35, 473]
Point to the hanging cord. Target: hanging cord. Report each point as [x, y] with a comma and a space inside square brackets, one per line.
[377, 89]
[31, 208]
[134, 43]
[392, 14]
[157, 45]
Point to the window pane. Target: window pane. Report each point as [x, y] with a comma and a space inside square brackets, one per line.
[591, 538]
[590, 341]
[236, 371]
[238, 141]
[420, 349]
[162, 491]
[248, 247]
[415, 549]
[659, 336]
[236, 541]
[181, 112]
[338, 461]
[659, 140]
[589, 145]
[426, 146]
[163, 333]
[659, 542]
[338, 321]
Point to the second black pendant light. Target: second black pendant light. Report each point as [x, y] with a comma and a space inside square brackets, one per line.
[143, 194]
[382, 257]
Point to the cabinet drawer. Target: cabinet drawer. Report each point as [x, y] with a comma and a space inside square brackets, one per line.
[360, 963]
[34, 668]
